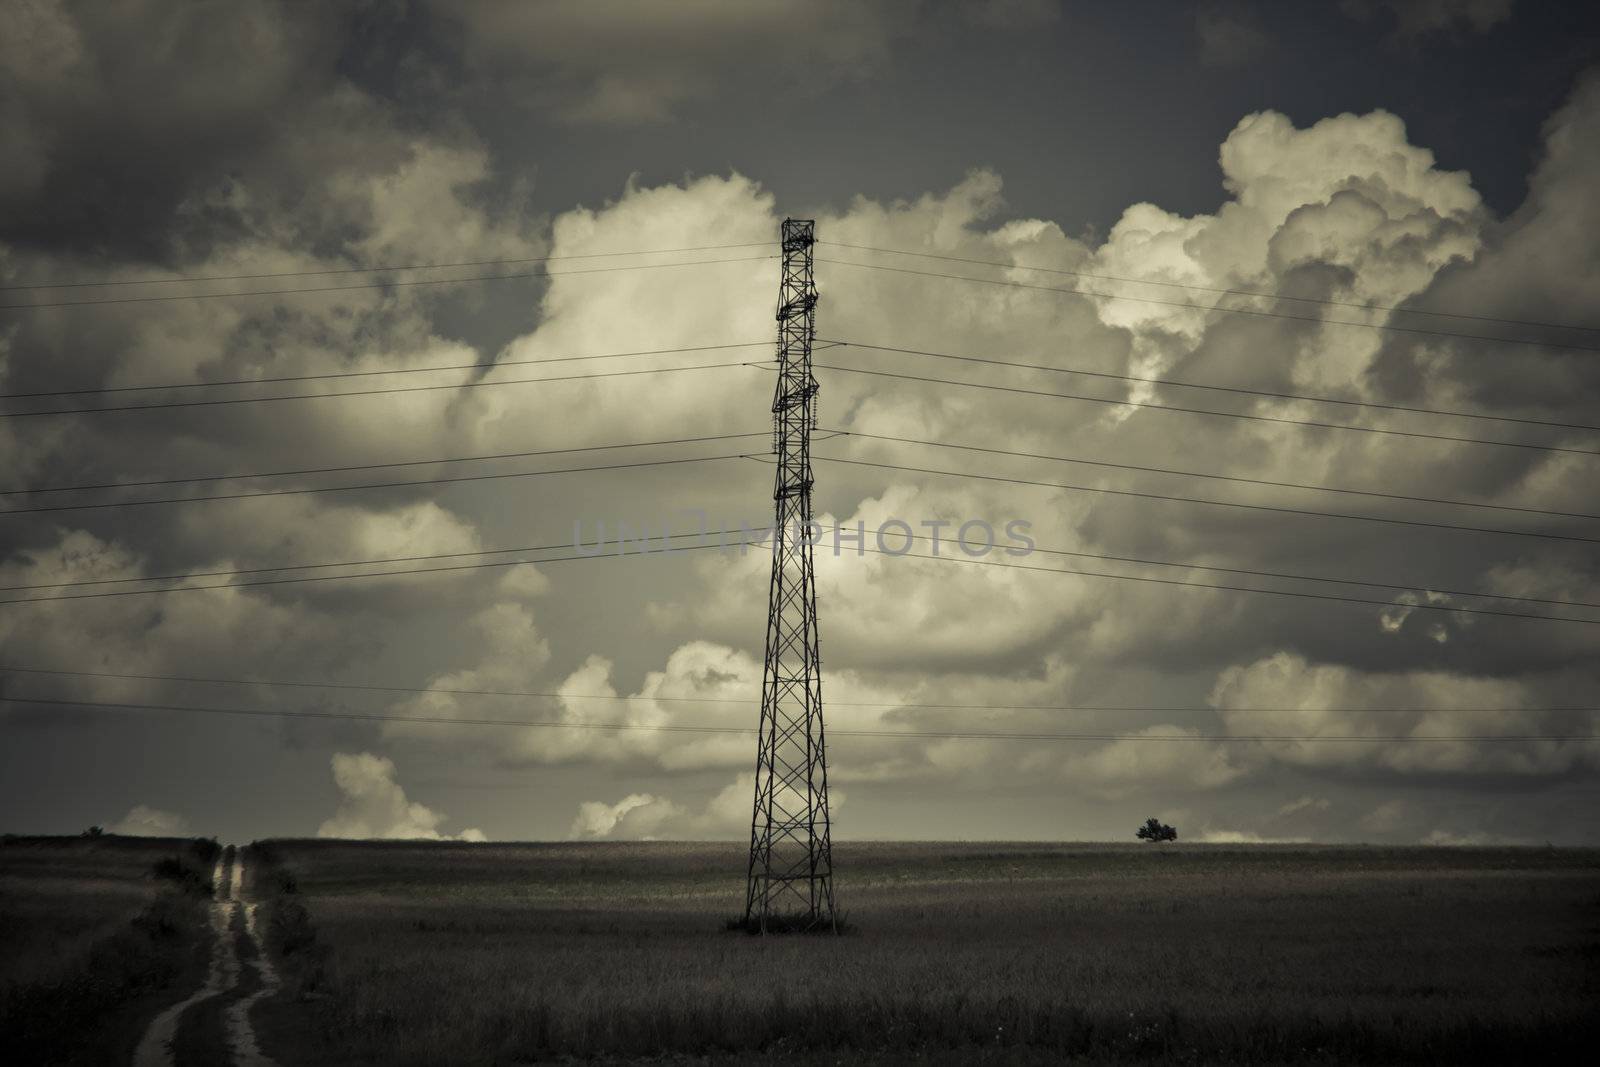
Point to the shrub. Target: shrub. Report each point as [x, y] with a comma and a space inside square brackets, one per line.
[189, 880]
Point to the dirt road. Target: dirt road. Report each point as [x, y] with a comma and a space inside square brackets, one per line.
[189, 1031]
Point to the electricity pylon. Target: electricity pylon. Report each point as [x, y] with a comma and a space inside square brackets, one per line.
[790, 878]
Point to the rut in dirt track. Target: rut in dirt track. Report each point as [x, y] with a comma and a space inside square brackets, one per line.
[224, 980]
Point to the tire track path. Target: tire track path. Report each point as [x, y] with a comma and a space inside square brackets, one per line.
[222, 980]
[241, 1035]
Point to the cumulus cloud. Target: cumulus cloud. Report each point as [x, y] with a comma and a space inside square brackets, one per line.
[638, 815]
[1127, 767]
[211, 189]
[166, 636]
[645, 816]
[373, 805]
[1391, 619]
[1348, 209]
[145, 821]
[1454, 724]
[510, 652]
[1530, 266]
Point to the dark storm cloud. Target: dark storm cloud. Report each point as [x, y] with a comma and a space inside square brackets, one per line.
[1229, 35]
[1419, 18]
[612, 61]
[221, 139]
[117, 113]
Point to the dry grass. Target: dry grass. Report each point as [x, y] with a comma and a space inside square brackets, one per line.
[451, 953]
[93, 935]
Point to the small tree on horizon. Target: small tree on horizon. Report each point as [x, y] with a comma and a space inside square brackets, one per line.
[1156, 830]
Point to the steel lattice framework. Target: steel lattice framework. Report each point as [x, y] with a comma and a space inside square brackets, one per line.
[790, 878]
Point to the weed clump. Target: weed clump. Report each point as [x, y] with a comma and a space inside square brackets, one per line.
[291, 935]
[206, 850]
[187, 879]
[65, 1000]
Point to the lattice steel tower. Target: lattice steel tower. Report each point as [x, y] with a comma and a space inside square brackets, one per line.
[790, 880]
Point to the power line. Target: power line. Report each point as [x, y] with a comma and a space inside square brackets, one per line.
[1229, 388]
[372, 574]
[370, 373]
[369, 392]
[234, 572]
[721, 534]
[724, 533]
[949, 735]
[1222, 477]
[1403, 587]
[240, 571]
[1223, 291]
[1284, 420]
[366, 485]
[1235, 588]
[1332, 581]
[1219, 503]
[754, 699]
[1317, 319]
[375, 285]
[368, 467]
[881, 437]
[1407, 587]
[372, 270]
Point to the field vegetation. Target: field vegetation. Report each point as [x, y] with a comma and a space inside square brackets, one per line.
[98, 933]
[458, 953]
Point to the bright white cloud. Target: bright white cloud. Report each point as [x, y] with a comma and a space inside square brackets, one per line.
[645, 816]
[373, 805]
[638, 815]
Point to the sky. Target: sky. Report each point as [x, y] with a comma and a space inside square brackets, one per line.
[1409, 414]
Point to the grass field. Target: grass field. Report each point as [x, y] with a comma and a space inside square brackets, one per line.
[93, 940]
[458, 953]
